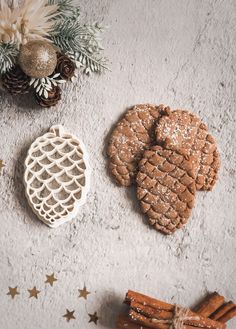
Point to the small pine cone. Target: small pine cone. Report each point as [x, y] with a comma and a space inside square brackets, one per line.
[16, 81]
[54, 96]
[65, 66]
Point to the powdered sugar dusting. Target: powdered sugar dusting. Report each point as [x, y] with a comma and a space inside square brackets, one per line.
[132, 135]
[183, 130]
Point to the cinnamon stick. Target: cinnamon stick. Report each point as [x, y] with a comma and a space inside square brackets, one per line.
[228, 316]
[147, 302]
[222, 310]
[145, 322]
[210, 304]
[123, 322]
[150, 311]
[214, 307]
[148, 322]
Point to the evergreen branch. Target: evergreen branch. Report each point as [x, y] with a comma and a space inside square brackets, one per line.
[91, 64]
[8, 56]
[82, 40]
[65, 8]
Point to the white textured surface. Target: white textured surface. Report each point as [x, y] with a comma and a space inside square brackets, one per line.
[181, 53]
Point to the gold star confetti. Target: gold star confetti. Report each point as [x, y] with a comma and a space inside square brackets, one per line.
[2, 165]
[33, 292]
[13, 292]
[69, 315]
[93, 318]
[50, 279]
[84, 293]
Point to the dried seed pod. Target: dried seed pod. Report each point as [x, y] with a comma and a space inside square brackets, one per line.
[16, 81]
[53, 97]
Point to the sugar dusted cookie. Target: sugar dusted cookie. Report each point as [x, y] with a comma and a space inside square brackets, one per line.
[166, 187]
[184, 130]
[132, 135]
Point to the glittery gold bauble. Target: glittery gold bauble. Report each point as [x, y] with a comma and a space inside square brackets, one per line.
[37, 59]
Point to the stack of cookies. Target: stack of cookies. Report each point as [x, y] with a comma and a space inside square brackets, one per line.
[170, 155]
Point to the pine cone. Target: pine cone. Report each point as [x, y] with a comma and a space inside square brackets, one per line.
[54, 96]
[65, 66]
[16, 81]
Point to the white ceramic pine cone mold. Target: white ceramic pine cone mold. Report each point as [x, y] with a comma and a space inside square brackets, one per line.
[57, 176]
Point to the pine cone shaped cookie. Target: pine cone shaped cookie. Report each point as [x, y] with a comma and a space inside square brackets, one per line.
[166, 188]
[16, 81]
[183, 130]
[56, 176]
[132, 135]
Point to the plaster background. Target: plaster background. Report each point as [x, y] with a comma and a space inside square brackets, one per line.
[181, 53]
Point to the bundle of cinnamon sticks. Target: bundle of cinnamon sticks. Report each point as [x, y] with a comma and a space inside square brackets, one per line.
[146, 312]
[216, 308]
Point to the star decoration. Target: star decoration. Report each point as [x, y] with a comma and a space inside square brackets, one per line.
[33, 292]
[13, 292]
[50, 279]
[1, 165]
[69, 315]
[93, 318]
[83, 293]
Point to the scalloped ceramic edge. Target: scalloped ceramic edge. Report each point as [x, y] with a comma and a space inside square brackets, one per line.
[58, 129]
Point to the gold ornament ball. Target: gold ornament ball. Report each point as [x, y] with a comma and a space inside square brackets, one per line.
[37, 59]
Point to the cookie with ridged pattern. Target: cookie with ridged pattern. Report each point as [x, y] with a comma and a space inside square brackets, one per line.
[184, 130]
[132, 135]
[166, 187]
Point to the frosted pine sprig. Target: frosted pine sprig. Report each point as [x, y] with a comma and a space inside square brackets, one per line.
[65, 8]
[8, 56]
[83, 40]
[43, 85]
